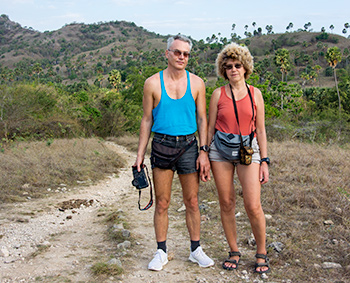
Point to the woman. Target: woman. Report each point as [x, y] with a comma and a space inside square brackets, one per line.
[235, 63]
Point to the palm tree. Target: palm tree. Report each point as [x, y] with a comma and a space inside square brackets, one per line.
[333, 57]
[290, 26]
[318, 69]
[307, 25]
[114, 79]
[282, 60]
[269, 29]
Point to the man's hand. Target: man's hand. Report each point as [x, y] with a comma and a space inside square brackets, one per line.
[203, 165]
[138, 163]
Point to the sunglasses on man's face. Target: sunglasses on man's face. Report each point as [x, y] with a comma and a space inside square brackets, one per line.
[229, 67]
[178, 53]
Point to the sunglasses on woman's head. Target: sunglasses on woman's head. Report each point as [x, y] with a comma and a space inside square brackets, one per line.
[178, 52]
[229, 67]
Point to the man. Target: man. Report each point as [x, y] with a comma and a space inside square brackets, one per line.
[174, 108]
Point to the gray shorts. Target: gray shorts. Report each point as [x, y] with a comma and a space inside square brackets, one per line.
[186, 164]
[214, 154]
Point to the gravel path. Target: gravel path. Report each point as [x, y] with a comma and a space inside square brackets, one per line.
[59, 238]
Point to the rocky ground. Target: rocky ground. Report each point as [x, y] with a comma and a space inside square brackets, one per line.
[61, 237]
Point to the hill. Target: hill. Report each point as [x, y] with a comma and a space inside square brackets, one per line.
[80, 51]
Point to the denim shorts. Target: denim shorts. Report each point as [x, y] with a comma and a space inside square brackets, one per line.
[214, 154]
[186, 164]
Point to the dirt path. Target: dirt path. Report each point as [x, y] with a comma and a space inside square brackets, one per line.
[41, 243]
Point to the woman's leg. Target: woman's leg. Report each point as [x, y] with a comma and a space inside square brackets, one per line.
[223, 174]
[249, 179]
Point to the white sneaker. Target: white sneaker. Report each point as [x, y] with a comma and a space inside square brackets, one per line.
[159, 260]
[201, 258]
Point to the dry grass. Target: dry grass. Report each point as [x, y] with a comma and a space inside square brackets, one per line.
[28, 169]
[309, 185]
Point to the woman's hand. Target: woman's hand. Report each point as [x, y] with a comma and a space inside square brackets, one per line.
[264, 173]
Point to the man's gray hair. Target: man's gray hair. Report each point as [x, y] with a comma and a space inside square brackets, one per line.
[179, 37]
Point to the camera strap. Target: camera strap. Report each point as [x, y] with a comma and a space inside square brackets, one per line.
[236, 113]
[151, 193]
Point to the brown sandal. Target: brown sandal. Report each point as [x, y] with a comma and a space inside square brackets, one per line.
[233, 261]
[261, 264]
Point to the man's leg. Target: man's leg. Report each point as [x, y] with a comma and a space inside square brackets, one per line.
[162, 180]
[190, 186]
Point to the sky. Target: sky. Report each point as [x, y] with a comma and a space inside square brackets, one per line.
[196, 18]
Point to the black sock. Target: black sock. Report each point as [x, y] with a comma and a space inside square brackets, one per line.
[162, 246]
[194, 245]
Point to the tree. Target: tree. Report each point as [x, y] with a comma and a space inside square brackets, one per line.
[307, 25]
[269, 29]
[37, 69]
[290, 26]
[282, 60]
[317, 69]
[305, 77]
[333, 57]
[114, 79]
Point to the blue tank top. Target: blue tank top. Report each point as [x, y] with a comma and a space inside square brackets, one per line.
[175, 117]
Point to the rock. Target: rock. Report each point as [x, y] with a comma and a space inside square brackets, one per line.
[277, 246]
[268, 216]
[338, 210]
[251, 240]
[317, 266]
[171, 255]
[182, 208]
[4, 252]
[238, 214]
[46, 243]
[119, 226]
[203, 207]
[328, 222]
[115, 261]
[127, 244]
[124, 245]
[330, 265]
[126, 233]
[334, 241]
[204, 218]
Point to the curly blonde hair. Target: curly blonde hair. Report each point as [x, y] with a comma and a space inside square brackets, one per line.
[235, 52]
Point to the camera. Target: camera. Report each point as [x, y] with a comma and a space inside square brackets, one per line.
[140, 179]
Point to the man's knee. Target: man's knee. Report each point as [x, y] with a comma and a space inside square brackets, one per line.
[191, 203]
[162, 205]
